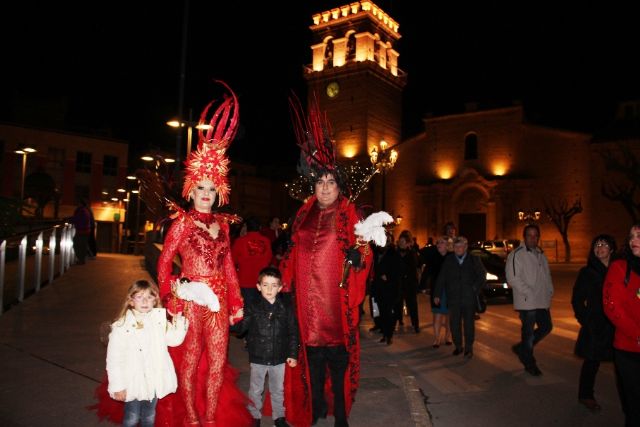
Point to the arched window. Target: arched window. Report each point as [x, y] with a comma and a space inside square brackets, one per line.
[471, 147]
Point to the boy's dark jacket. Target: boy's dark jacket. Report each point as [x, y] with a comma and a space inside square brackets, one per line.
[272, 331]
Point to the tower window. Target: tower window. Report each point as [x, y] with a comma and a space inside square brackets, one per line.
[471, 147]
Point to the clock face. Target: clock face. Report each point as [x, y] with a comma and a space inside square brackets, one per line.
[332, 89]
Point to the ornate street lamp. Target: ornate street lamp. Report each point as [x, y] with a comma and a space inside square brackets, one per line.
[383, 159]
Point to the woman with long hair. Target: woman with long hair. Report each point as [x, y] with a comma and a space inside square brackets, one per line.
[595, 339]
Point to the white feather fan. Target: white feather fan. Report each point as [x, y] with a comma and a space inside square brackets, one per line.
[199, 293]
[372, 228]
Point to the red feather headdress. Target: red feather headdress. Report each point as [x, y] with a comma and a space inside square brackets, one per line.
[209, 161]
[318, 152]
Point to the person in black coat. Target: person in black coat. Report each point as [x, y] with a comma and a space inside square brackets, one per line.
[408, 281]
[387, 269]
[272, 341]
[462, 276]
[432, 258]
[595, 339]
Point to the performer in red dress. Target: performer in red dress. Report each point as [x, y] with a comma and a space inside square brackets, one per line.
[201, 238]
[207, 394]
[326, 296]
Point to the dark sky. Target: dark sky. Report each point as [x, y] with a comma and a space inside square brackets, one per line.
[113, 66]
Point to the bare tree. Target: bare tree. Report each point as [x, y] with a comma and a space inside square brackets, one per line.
[623, 184]
[561, 214]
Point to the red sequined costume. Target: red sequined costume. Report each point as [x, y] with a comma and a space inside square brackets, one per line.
[327, 313]
[202, 358]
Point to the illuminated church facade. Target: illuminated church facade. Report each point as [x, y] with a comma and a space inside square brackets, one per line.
[488, 171]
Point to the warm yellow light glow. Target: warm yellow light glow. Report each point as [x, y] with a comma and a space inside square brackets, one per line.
[25, 150]
[115, 199]
[203, 126]
[121, 190]
[147, 158]
[135, 191]
[349, 151]
[169, 160]
[500, 168]
[383, 145]
[131, 177]
[105, 193]
[175, 123]
[445, 172]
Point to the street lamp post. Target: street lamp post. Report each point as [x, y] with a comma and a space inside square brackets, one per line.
[383, 159]
[189, 125]
[25, 151]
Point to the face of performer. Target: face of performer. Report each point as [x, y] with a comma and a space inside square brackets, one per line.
[269, 287]
[327, 190]
[143, 301]
[203, 195]
[531, 238]
[634, 241]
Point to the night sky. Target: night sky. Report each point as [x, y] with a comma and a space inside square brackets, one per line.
[112, 68]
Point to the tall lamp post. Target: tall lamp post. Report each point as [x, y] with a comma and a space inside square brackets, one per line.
[189, 125]
[25, 151]
[383, 159]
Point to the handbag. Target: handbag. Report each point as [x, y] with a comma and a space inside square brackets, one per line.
[481, 303]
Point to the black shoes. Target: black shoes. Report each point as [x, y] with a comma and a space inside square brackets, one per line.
[386, 339]
[533, 370]
[468, 354]
[280, 422]
[457, 351]
[375, 329]
[591, 404]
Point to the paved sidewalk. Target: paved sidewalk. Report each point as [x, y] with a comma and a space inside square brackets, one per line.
[52, 358]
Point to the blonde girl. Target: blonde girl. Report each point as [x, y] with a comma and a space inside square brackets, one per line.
[139, 367]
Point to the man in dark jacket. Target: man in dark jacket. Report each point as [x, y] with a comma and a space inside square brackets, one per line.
[388, 269]
[272, 340]
[462, 276]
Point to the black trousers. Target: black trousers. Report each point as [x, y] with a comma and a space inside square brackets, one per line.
[336, 358]
[628, 369]
[588, 378]
[462, 317]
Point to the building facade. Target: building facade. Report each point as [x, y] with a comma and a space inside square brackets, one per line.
[488, 171]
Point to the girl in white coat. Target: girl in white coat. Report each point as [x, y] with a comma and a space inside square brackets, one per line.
[139, 367]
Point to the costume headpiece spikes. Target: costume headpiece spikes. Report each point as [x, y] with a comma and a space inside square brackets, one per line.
[209, 161]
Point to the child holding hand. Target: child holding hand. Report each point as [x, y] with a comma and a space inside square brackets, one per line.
[139, 367]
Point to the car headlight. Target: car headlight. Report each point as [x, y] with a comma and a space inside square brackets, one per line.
[491, 276]
[505, 285]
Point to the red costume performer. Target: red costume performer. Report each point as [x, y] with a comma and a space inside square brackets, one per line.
[206, 393]
[327, 305]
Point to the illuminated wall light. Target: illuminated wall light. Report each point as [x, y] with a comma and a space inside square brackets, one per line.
[366, 5]
[500, 169]
[445, 172]
[335, 13]
[325, 16]
[344, 10]
[349, 151]
[316, 18]
[355, 7]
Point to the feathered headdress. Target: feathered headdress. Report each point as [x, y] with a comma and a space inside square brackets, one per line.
[209, 161]
[318, 155]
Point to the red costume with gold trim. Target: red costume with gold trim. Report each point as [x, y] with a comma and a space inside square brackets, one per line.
[328, 314]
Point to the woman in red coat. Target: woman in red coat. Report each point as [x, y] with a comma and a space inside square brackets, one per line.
[621, 297]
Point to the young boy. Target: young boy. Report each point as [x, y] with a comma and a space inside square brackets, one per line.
[272, 339]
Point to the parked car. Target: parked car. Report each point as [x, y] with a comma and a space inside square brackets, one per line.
[498, 247]
[496, 277]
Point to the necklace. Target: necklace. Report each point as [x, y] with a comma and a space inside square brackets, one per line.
[205, 218]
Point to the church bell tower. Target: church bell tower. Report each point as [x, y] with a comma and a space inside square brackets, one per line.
[355, 77]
